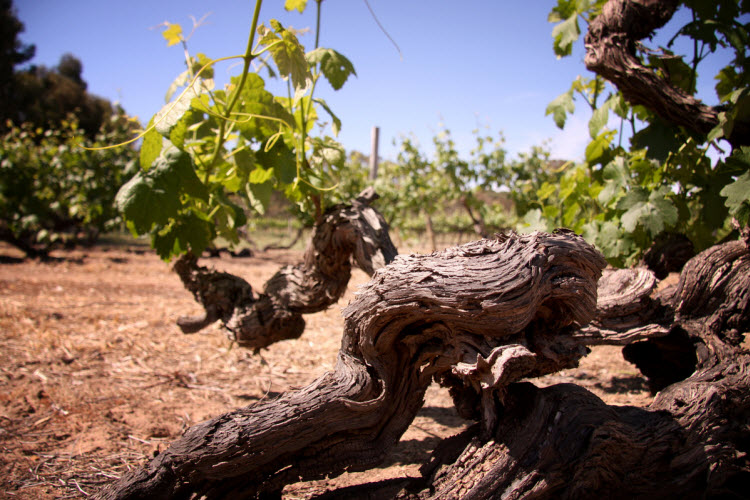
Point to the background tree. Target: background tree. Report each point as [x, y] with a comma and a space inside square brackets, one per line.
[52, 189]
[12, 53]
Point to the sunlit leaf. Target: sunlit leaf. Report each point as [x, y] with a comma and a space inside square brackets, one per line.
[299, 5]
[336, 125]
[565, 34]
[336, 68]
[560, 107]
[172, 34]
[287, 53]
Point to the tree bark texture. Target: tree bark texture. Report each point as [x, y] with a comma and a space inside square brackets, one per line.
[482, 319]
[344, 233]
[478, 316]
[691, 442]
[611, 52]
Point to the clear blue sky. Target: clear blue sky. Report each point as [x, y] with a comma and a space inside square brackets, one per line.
[477, 62]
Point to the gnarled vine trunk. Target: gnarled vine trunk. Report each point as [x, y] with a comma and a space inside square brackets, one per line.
[611, 43]
[344, 233]
[485, 318]
[481, 318]
[691, 442]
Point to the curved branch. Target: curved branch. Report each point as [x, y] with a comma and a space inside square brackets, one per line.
[479, 318]
[484, 314]
[610, 52]
[564, 442]
[344, 233]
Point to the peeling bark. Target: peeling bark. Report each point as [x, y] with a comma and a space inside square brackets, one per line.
[344, 233]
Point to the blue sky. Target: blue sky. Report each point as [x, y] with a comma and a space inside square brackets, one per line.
[486, 63]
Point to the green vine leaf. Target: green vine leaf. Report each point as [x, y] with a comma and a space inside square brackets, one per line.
[737, 193]
[187, 232]
[151, 147]
[336, 68]
[287, 53]
[565, 34]
[255, 103]
[596, 149]
[600, 117]
[616, 176]
[654, 212]
[172, 112]
[260, 175]
[560, 107]
[153, 197]
[259, 196]
[336, 125]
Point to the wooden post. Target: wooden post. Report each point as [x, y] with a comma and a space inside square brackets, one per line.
[374, 153]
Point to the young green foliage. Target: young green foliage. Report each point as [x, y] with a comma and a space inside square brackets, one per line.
[622, 197]
[212, 156]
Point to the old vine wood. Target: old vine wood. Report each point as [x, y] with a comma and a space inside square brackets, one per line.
[476, 317]
[481, 318]
[691, 442]
[610, 52]
[354, 231]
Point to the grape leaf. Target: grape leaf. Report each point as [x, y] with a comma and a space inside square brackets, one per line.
[259, 196]
[173, 34]
[336, 125]
[563, 10]
[283, 161]
[287, 52]
[153, 197]
[256, 100]
[187, 232]
[260, 175]
[546, 190]
[600, 116]
[295, 4]
[335, 67]
[596, 149]
[151, 147]
[565, 34]
[170, 114]
[653, 212]
[738, 195]
[533, 220]
[616, 175]
[609, 238]
[660, 139]
[560, 107]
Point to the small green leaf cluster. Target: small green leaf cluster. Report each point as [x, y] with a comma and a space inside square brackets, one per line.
[212, 157]
[53, 190]
[623, 195]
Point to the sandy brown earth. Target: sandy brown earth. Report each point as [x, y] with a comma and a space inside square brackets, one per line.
[95, 378]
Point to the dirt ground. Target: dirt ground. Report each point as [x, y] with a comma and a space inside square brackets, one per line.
[95, 377]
